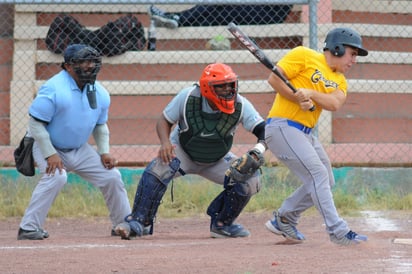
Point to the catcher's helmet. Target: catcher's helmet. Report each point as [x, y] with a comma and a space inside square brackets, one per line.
[337, 38]
[218, 74]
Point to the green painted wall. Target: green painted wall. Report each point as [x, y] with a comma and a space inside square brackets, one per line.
[350, 179]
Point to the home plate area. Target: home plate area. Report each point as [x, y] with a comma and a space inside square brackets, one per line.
[183, 245]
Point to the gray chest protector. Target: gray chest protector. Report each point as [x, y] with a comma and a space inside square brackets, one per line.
[209, 136]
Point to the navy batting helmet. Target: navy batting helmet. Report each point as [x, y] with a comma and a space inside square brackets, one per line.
[337, 38]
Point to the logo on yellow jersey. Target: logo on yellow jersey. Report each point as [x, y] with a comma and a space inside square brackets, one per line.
[317, 77]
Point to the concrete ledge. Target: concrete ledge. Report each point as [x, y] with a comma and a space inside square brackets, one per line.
[25, 31]
[253, 86]
[227, 56]
[111, 8]
[398, 6]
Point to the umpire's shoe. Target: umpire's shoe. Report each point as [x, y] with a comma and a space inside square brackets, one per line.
[228, 231]
[38, 234]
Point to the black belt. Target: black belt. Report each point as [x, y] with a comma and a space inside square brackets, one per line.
[65, 150]
[297, 125]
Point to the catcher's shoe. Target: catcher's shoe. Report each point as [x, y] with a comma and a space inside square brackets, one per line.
[349, 239]
[280, 228]
[228, 231]
[37, 234]
[123, 230]
[126, 233]
[162, 19]
[114, 233]
[136, 227]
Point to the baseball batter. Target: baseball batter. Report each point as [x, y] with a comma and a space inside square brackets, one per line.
[69, 108]
[320, 82]
[204, 118]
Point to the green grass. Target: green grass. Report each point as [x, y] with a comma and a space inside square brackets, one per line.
[192, 195]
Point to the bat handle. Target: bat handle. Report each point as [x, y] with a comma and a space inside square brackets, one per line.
[286, 81]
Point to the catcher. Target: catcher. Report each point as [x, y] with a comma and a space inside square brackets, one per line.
[206, 116]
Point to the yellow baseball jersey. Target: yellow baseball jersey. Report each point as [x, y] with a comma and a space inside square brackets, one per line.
[305, 68]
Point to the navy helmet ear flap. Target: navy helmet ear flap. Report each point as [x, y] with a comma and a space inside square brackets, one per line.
[337, 50]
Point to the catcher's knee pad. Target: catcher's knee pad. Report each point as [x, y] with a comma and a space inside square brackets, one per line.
[152, 186]
[228, 205]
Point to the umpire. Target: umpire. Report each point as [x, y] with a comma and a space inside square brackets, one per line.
[69, 108]
[204, 118]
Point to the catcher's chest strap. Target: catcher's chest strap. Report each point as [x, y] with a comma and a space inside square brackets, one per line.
[208, 137]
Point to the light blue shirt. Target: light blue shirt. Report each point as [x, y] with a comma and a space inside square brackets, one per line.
[174, 112]
[66, 109]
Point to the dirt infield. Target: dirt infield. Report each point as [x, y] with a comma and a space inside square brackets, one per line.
[184, 246]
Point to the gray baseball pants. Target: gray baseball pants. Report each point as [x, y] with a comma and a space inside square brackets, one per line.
[85, 162]
[305, 157]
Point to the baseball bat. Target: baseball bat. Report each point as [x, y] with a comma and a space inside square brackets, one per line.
[259, 54]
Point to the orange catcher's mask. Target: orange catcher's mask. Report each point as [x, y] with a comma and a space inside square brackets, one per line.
[219, 85]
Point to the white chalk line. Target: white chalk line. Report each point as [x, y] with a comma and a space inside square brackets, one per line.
[92, 246]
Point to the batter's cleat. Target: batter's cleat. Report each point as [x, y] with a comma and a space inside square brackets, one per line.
[162, 19]
[45, 233]
[350, 238]
[280, 228]
[37, 234]
[228, 231]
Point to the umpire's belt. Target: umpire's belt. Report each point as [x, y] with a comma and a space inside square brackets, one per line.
[65, 150]
[297, 125]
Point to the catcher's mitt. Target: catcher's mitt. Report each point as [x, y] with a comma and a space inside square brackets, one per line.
[244, 167]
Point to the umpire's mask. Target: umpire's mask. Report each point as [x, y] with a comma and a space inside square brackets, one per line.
[78, 55]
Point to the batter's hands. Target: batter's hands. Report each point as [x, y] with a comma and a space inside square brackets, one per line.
[306, 105]
[166, 152]
[303, 96]
[108, 161]
[54, 162]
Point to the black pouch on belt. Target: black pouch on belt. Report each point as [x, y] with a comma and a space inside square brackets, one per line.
[23, 156]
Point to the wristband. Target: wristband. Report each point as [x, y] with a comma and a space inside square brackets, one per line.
[260, 147]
